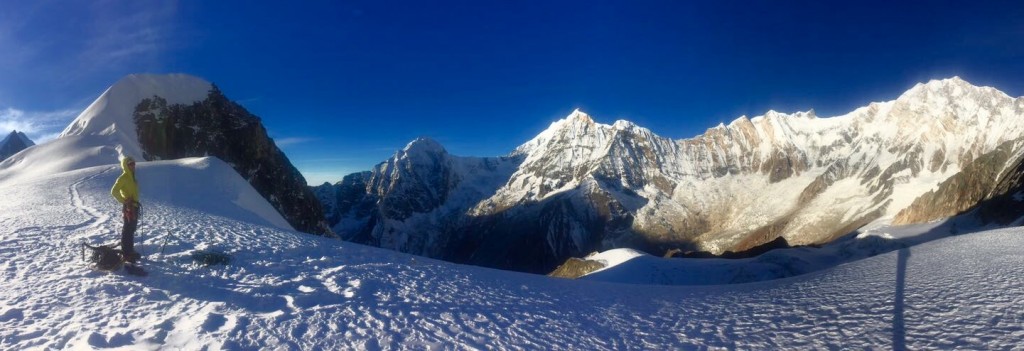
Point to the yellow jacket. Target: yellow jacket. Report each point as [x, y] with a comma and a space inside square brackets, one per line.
[125, 187]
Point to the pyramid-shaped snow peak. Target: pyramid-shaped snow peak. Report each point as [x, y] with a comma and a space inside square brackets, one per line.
[166, 117]
[18, 137]
[106, 129]
[13, 143]
[574, 126]
[111, 113]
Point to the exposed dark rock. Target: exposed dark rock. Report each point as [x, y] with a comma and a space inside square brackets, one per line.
[327, 194]
[835, 172]
[219, 127]
[347, 205]
[538, 237]
[1003, 204]
[575, 267]
[982, 179]
[778, 243]
[782, 165]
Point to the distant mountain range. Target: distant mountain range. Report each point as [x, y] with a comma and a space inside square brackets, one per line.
[939, 149]
[14, 143]
[942, 148]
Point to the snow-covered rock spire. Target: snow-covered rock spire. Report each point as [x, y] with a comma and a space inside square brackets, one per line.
[110, 115]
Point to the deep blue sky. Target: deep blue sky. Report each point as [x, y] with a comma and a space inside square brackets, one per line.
[342, 85]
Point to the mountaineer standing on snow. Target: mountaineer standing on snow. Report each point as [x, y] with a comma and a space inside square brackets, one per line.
[126, 191]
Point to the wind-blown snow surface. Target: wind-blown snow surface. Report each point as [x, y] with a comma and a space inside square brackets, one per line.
[284, 289]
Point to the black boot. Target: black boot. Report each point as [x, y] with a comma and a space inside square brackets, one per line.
[132, 257]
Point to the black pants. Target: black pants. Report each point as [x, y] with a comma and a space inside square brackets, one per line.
[131, 221]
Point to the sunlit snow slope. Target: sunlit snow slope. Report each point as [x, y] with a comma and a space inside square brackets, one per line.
[284, 289]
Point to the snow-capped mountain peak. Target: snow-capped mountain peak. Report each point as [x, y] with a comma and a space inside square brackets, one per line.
[954, 81]
[581, 116]
[576, 123]
[796, 176]
[111, 114]
[116, 105]
[940, 91]
[16, 136]
[424, 145]
[809, 114]
[106, 129]
[163, 117]
[624, 125]
[14, 143]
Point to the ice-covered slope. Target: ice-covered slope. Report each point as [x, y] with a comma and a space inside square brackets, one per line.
[289, 291]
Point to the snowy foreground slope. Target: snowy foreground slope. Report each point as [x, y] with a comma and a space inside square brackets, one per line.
[287, 290]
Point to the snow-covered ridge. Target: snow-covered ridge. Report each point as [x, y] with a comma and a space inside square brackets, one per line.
[948, 116]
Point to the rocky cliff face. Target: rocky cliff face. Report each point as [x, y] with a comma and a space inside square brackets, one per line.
[990, 186]
[977, 182]
[1005, 203]
[421, 190]
[582, 186]
[219, 127]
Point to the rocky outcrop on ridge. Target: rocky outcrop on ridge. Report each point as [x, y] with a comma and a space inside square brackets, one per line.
[219, 127]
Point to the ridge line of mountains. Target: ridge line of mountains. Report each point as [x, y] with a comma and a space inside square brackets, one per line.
[942, 148]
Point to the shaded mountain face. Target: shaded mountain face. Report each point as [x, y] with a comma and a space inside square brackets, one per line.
[981, 179]
[14, 143]
[345, 205]
[989, 190]
[1004, 204]
[582, 186]
[219, 127]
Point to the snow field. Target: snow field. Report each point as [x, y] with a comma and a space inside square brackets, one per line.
[287, 290]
